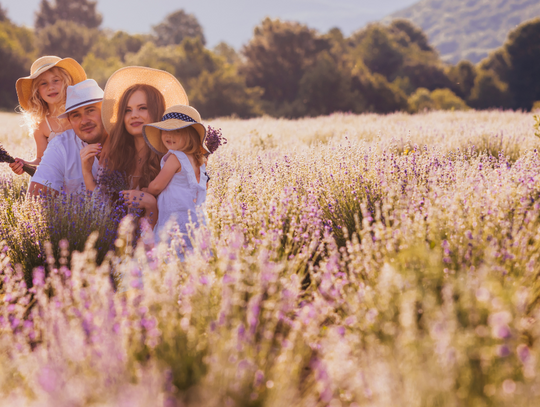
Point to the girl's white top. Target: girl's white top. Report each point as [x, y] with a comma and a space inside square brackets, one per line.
[183, 197]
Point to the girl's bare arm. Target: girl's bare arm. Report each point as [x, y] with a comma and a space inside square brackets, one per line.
[171, 167]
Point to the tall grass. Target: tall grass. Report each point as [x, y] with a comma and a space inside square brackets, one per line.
[394, 262]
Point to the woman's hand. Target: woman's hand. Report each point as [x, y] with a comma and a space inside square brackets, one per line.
[17, 166]
[139, 199]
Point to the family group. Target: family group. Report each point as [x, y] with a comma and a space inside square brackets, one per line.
[140, 126]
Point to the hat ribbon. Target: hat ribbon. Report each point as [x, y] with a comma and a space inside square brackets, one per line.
[179, 116]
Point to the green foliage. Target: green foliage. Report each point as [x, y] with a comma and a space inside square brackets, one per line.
[16, 53]
[66, 39]
[378, 95]
[381, 54]
[228, 53]
[462, 77]
[326, 88]
[439, 99]
[489, 92]
[3, 15]
[176, 27]
[80, 12]
[523, 49]
[410, 34]
[536, 125]
[224, 93]
[277, 57]
[101, 69]
[118, 45]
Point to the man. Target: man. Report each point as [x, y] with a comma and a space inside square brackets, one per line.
[61, 165]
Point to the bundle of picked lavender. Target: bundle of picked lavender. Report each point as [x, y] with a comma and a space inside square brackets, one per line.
[5, 157]
[214, 139]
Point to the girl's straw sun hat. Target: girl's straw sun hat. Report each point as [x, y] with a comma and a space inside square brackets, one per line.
[172, 91]
[174, 118]
[43, 64]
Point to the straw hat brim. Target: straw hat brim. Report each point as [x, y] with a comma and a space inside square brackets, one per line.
[152, 133]
[173, 92]
[24, 85]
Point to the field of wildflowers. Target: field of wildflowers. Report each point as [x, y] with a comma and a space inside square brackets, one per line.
[348, 261]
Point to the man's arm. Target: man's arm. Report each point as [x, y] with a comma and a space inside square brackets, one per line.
[49, 176]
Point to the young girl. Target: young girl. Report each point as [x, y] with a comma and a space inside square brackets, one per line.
[42, 97]
[181, 183]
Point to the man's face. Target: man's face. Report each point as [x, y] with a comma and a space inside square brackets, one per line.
[86, 123]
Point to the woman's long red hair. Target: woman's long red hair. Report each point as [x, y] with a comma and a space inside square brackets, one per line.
[121, 155]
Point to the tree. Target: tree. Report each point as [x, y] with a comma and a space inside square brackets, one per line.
[16, 54]
[375, 93]
[445, 99]
[80, 12]
[412, 35]
[425, 75]
[224, 93]
[117, 45]
[3, 14]
[326, 88]
[462, 77]
[66, 39]
[523, 50]
[277, 57]
[489, 92]
[379, 51]
[176, 27]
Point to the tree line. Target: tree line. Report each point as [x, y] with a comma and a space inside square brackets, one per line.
[286, 69]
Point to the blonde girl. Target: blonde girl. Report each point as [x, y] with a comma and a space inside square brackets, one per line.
[42, 97]
[180, 186]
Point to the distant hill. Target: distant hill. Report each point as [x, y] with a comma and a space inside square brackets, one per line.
[468, 29]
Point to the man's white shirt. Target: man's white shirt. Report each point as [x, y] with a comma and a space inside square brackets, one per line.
[61, 165]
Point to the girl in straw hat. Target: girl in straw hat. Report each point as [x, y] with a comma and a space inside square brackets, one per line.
[181, 184]
[42, 97]
[134, 96]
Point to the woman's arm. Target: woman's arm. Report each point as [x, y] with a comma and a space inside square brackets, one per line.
[139, 199]
[171, 167]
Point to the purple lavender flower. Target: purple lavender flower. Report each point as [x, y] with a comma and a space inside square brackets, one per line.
[5, 157]
[214, 139]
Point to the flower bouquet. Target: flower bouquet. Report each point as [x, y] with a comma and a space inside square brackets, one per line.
[5, 157]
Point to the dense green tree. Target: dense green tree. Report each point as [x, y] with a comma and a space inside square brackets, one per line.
[421, 101]
[375, 93]
[407, 33]
[117, 44]
[445, 99]
[489, 92]
[81, 12]
[462, 77]
[326, 88]
[523, 50]
[377, 48]
[228, 53]
[176, 27]
[425, 75]
[66, 39]
[3, 14]
[277, 57]
[16, 54]
[224, 92]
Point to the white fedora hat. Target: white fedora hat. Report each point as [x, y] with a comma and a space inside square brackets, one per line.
[82, 94]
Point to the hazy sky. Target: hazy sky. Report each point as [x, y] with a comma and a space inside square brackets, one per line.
[231, 21]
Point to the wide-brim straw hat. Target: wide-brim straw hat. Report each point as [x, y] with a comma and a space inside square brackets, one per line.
[41, 65]
[176, 117]
[173, 92]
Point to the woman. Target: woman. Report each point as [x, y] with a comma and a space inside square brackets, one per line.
[134, 96]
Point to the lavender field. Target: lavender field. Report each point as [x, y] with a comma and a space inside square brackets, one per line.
[348, 261]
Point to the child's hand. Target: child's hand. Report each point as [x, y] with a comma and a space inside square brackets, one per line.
[17, 166]
[144, 189]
